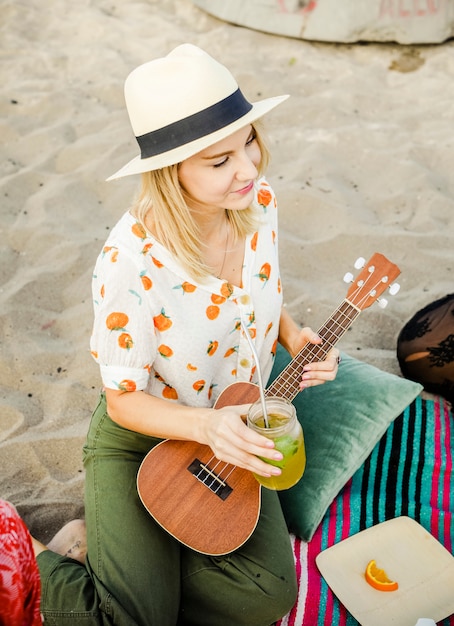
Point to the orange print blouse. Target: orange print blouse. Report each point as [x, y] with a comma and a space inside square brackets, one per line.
[157, 329]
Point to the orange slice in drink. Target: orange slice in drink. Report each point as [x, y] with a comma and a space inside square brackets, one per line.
[378, 579]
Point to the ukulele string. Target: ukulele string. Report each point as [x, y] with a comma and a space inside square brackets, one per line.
[331, 334]
[287, 385]
[206, 473]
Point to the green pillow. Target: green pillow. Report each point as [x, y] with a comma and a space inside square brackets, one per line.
[342, 421]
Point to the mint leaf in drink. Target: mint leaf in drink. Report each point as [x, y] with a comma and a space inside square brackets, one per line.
[288, 446]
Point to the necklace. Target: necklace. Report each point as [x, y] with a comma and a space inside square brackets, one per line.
[226, 247]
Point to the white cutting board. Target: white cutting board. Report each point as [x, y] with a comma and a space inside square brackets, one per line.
[409, 554]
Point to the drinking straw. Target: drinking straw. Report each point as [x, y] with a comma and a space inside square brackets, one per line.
[259, 373]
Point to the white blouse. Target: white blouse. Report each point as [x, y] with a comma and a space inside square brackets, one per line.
[157, 329]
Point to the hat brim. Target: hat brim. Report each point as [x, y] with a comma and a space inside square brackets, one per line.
[137, 165]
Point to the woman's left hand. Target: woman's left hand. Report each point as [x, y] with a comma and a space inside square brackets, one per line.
[317, 372]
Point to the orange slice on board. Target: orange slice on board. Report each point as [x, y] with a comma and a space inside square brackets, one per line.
[378, 579]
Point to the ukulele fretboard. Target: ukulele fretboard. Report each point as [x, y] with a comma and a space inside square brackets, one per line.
[286, 384]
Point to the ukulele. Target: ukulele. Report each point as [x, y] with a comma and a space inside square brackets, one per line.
[212, 506]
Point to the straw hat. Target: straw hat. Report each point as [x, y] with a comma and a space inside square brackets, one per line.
[181, 104]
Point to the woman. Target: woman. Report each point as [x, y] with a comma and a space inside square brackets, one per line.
[182, 273]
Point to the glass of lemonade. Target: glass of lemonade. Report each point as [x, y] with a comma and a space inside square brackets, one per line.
[287, 434]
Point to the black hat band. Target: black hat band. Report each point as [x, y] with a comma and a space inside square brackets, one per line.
[194, 126]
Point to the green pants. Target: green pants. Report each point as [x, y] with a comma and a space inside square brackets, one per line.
[138, 575]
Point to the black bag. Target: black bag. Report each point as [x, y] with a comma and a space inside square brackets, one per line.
[425, 347]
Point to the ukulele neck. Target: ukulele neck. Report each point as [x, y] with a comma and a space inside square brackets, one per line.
[286, 385]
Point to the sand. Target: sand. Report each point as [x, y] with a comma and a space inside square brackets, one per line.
[362, 163]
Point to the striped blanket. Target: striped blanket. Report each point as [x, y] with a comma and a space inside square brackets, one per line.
[409, 472]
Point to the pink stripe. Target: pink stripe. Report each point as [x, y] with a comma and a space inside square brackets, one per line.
[343, 521]
[332, 523]
[441, 479]
[346, 510]
[297, 552]
[447, 504]
[346, 514]
[435, 517]
[314, 580]
[346, 517]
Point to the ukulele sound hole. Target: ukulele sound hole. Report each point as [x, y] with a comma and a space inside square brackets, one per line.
[210, 479]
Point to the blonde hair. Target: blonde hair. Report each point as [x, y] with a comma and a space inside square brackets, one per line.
[175, 228]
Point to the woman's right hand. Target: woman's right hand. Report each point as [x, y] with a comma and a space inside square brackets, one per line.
[223, 430]
[233, 442]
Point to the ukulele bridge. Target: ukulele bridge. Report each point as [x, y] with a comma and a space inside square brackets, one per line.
[210, 479]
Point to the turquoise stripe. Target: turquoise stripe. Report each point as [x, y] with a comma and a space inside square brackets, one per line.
[427, 475]
[339, 515]
[355, 501]
[324, 589]
[369, 520]
[336, 613]
[385, 470]
[402, 455]
[414, 461]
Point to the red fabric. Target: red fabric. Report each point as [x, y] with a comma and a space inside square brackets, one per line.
[19, 575]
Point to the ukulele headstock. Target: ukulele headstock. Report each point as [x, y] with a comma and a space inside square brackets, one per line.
[376, 276]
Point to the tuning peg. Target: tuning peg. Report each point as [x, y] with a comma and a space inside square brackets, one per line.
[359, 263]
[394, 288]
[348, 278]
[382, 303]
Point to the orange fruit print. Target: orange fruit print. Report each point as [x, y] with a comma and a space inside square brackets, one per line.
[138, 230]
[210, 390]
[212, 312]
[117, 321]
[125, 341]
[265, 272]
[146, 248]
[199, 385]
[215, 299]
[157, 262]
[127, 385]
[230, 351]
[186, 287]
[169, 393]
[146, 281]
[114, 255]
[162, 322]
[226, 290]
[212, 347]
[254, 241]
[264, 197]
[165, 351]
